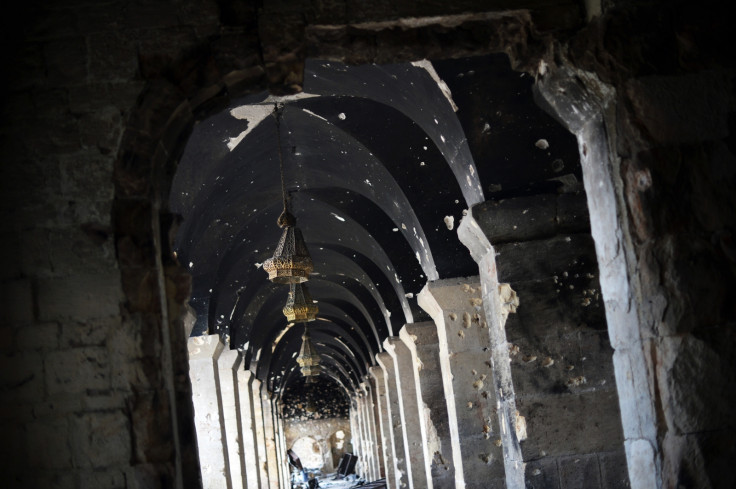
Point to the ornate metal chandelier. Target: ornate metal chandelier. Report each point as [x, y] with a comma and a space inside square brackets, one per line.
[299, 305]
[291, 263]
[308, 359]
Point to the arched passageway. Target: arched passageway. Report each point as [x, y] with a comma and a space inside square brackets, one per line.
[420, 332]
[380, 164]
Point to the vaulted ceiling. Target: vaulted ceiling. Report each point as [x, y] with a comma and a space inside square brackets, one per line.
[379, 164]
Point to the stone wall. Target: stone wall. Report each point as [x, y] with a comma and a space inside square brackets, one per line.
[94, 385]
[323, 432]
[655, 132]
[94, 379]
[561, 358]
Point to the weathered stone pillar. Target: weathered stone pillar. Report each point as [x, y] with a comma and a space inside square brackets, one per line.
[356, 429]
[376, 416]
[227, 365]
[203, 354]
[396, 430]
[281, 456]
[631, 270]
[421, 339]
[365, 445]
[498, 301]
[456, 307]
[284, 464]
[249, 434]
[260, 434]
[270, 437]
[386, 428]
[371, 422]
[412, 418]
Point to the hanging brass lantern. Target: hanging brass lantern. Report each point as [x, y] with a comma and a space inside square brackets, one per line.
[291, 263]
[308, 358]
[299, 306]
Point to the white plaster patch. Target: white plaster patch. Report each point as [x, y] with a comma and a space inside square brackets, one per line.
[427, 65]
[450, 222]
[315, 115]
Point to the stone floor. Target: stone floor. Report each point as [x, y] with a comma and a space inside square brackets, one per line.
[332, 481]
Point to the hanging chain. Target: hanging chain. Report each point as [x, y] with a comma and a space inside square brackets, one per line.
[278, 111]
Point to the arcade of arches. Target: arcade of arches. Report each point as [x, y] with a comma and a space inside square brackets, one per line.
[521, 223]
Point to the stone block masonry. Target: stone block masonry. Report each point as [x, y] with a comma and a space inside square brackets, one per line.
[456, 307]
[103, 92]
[560, 358]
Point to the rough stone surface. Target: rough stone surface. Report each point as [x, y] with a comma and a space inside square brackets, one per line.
[99, 98]
[560, 356]
[467, 376]
[421, 338]
[323, 432]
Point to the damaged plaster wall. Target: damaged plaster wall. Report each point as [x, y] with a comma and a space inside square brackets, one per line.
[324, 432]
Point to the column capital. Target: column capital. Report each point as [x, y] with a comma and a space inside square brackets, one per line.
[376, 372]
[389, 344]
[205, 347]
[455, 300]
[419, 333]
[385, 360]
[229, 358]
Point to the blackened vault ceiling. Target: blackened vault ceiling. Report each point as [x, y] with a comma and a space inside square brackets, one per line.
[379, 164]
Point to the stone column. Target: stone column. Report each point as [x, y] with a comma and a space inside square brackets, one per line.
[250, 440]
[422, 341]
[498, 300]
[281, 456]
[411, 416]
[355, 428]
[208, 419]
[400, 465]
[456, 308]
[270, 438]
[285, 468]
[372, 433]
[385, 425]
[227, 365]
[260, 434]
[365, 445]
[376, 417]
[635, 313]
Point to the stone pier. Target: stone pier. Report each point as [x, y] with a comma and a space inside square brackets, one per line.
[412, 416]
[423, 344]
[250, 440]
[270, 437]
[260, 434]
[456, 307]
[203, 354]
[400, 463]
[386, 427]
[227, 364]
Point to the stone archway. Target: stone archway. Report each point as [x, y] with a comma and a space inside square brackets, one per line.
[309, 452]
[155, 286]
[199, 83]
